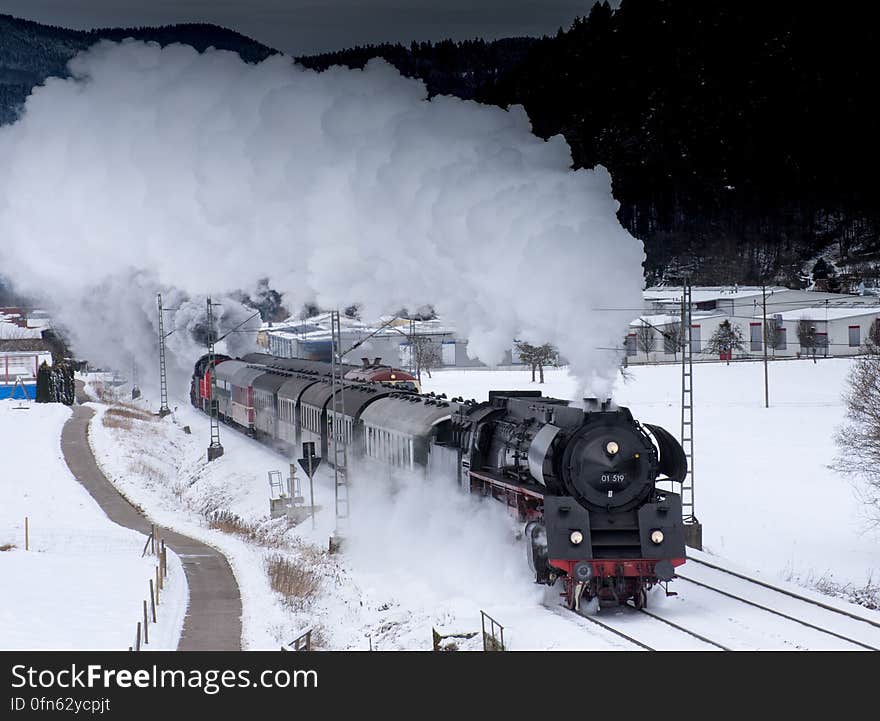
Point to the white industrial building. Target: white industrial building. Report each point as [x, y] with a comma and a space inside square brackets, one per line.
[388, 338]
[830, 324]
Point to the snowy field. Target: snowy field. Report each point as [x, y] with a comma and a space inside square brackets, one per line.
[83, 581]
[430, 558]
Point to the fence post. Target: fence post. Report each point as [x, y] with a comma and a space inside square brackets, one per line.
[493, 638]
[152, 601]
[146, 626]
[158, 585]
[153, 538]
[137, 643]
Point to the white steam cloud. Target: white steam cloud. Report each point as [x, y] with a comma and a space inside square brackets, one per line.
[165, 169]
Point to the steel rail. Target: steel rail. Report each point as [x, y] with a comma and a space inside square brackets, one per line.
[685, 630]
[779, 613]
[786, 592]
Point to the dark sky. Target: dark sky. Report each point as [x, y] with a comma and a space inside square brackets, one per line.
[309, 26]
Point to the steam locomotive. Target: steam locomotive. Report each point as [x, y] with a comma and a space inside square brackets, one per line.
[583, 480]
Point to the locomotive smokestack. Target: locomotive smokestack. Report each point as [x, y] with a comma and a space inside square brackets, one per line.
[366, 362]
[377, 361]
[595, 405]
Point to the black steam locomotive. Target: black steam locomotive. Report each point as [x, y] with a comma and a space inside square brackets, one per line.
[583, 480]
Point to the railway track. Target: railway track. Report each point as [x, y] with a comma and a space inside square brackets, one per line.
[652, 635]
[841, 624]
[729, 610]
[786, 592]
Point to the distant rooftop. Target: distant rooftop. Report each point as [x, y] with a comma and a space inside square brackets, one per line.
[829, 313]
[21, 345]
[703, 294]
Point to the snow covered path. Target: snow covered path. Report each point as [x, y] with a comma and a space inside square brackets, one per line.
[213, 616]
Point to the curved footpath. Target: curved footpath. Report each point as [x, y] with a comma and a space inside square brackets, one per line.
[213, 616]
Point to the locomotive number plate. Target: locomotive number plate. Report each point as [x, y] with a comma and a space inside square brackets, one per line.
[613, 479]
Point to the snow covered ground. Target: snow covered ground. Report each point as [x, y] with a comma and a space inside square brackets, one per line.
[83, 581]
[423, 557]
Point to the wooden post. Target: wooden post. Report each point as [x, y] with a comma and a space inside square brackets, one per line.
[158, 585]
[153, 538]
[164, 562]
[137, 643]
[152, 601]
[26, 536]
[158, 542]
[146, 626]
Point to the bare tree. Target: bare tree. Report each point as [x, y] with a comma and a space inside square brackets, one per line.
[537, 357]
[807, 336]
[772, 333]
[427, 355]
[673, 338]
[725, 340]
[858, 439]
[646, 339]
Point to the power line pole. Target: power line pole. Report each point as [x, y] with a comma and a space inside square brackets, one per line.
[164, 410]
[412, 346]
[135, 389]
[766, 337]
[338, 431]
[693, 530]
[215, 449]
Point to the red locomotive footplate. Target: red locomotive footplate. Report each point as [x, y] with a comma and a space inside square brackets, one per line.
[631, 567]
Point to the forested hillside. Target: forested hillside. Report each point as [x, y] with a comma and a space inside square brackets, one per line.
[30, 52]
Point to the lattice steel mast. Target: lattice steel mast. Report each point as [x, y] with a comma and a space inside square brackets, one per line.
[215, 449]
[338, 427]
[692, 528]
[164, 410]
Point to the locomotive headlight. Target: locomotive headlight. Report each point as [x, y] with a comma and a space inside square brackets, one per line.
[657, 537]
[611, 448]
[576, 537]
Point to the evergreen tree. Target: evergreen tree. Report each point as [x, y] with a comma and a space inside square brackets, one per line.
[725, 340]
[56, 384]
[44, 384]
